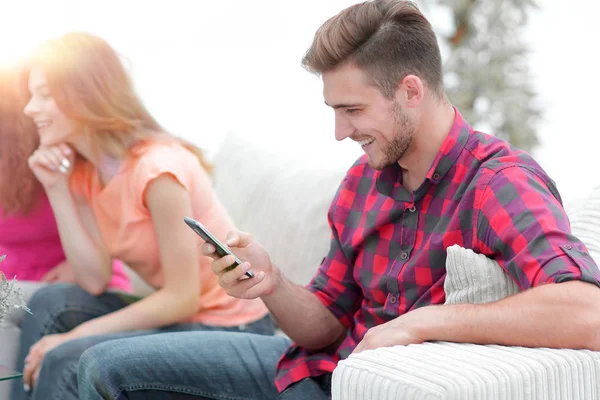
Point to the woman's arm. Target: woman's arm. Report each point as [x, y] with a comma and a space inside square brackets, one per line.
[81, 241]
[79, 235]
[168, 202]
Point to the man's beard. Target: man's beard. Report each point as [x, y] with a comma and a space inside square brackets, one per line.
[404, 131]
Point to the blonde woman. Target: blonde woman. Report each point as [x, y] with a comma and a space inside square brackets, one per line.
[119, 186]
[28, 233]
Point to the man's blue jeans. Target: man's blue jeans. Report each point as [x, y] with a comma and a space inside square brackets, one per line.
[191, 365]
[58, 308]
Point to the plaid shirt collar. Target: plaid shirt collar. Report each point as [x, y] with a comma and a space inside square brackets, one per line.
[389, 180]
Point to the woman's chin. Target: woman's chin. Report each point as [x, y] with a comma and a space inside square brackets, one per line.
[49, 141]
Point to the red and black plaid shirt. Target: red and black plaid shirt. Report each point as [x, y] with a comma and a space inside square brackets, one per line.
[388, 245]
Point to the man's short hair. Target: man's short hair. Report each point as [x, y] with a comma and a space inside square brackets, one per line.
[388, 39]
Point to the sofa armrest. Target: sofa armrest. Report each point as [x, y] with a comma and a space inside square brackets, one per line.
[138, 286]
[463, 371]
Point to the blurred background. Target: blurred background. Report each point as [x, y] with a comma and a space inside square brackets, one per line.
[523, 70]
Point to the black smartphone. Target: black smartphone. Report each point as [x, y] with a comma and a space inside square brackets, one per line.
[222, 250]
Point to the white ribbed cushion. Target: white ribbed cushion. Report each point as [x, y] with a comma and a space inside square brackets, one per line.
[452, 371]
[584, 215]
[464, 371]
[474, 278]
[282, 198]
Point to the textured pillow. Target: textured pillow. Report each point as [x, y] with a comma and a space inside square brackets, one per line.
[584, 215]
[474, 278]
[281, 198]
[465, 371]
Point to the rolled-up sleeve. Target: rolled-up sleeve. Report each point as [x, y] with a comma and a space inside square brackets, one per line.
[523, 226]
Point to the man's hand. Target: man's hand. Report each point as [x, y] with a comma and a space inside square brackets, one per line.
[61, 273]
[404, 330]
[254, 256]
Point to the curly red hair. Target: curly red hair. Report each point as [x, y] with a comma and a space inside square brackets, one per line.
[19, 189]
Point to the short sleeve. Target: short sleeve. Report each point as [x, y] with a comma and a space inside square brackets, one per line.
[164, 159]
[522, 225]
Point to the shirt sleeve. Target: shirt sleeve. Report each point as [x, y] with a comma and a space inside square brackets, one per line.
[171, 160]
[334, 283]
[522, 225]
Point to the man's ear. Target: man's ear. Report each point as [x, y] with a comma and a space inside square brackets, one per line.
[410, 91]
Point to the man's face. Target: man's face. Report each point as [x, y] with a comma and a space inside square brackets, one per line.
[365, 115]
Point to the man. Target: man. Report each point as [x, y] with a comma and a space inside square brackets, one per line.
[426, 182]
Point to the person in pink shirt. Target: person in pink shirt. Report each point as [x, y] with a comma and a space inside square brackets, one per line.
[120, 187]
[28, 234]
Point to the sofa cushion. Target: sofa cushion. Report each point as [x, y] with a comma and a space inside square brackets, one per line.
[584, 215]
[281, 198]
[465, 371]
[474, 278]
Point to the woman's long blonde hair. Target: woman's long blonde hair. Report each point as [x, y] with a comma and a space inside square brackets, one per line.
[89, 83]
[19, 189]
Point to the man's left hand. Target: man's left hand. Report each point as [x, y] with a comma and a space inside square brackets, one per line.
[33, 361]
[404, 330]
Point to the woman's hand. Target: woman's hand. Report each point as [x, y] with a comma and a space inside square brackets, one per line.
[33, 361]
[52, 165]
[61, 273]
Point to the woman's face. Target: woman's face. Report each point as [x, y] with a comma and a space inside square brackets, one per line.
[53, 126]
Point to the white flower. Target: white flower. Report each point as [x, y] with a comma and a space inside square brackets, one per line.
[11, 296]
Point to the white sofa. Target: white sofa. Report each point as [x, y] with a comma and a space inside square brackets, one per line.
[282, 198]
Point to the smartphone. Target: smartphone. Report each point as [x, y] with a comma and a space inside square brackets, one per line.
[222, 250]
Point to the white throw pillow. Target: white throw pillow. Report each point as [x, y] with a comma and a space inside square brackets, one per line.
[584, 215]
[474, 278]
[281, 198]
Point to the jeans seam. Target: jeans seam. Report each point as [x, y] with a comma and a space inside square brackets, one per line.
[61, 385]
[130, 388]
[51, 322]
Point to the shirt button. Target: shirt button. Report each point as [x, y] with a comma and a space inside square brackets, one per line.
[568, 247]
[404, 256]
[393, 299]
[436, 176]
[412, 209]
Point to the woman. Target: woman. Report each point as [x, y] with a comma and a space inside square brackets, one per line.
[28, 234]
[119, 186]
